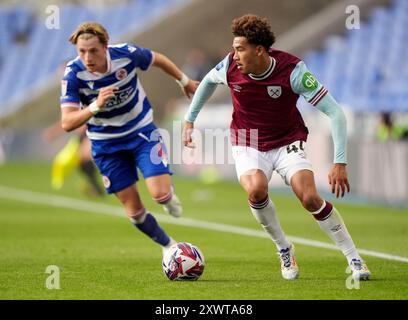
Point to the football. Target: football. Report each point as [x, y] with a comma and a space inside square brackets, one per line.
[183, 261]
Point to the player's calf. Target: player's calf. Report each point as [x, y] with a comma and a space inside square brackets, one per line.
[331, 222]
[146, 223]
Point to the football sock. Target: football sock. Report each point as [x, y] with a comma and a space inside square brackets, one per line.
[265, 213]
[331, 222]
[169, 201]
[166, 200]
[146, 223]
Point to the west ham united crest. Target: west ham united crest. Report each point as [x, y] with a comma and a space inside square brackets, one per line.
[274, 91]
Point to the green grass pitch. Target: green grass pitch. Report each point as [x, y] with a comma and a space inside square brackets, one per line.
[101, 256]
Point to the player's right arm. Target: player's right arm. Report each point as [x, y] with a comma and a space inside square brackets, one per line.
[73, 117]
[216, 76]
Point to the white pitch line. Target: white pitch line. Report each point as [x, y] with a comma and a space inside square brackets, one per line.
[100, 208]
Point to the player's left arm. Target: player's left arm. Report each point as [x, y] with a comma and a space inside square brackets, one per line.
[145, 58]
[303, 82]
[338, 173]
[187, 85]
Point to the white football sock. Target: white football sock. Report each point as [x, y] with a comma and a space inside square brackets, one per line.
[173, 201]
[268, 219]
[172, 241]
[336, 229]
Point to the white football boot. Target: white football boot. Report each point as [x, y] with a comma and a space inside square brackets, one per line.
[289, 268]
[174, 207]
[359, 269]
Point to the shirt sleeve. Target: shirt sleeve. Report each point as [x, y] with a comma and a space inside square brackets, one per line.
[142, 57]
[69, 89]
[217, 75]
[331, 108]
[304, 83]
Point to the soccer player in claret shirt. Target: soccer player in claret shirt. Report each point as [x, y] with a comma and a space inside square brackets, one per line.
[265, 85]
[101, 88]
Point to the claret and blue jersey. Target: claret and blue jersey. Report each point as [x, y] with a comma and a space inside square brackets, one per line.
[267, 103]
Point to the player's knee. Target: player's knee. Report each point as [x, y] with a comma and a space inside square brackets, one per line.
[162, 195]
[311, 201]
[257, 193]
[256, 187]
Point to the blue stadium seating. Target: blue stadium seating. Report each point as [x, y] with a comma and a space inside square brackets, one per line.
[367, 69]
[26, 64]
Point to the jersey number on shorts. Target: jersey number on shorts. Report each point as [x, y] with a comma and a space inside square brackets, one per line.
[294, 148]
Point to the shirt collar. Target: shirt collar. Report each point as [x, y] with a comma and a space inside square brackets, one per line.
[265, 74]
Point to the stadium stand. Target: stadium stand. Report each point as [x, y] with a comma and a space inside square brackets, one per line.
[367, 69]
[37, 53]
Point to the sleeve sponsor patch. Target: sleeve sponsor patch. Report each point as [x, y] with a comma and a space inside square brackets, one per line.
[64, 85]
[309, 81]
[219, 66]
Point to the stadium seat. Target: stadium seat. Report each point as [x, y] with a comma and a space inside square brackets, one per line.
[373, 73]
[41, 61]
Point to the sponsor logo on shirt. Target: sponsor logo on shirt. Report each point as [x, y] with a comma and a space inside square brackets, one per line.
[309, 81]
[120, 97]
[219, 66]
[236, 88]
[132, 49]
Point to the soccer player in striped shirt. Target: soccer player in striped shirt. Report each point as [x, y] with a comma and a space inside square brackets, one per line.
[265, 85]
[101, 88]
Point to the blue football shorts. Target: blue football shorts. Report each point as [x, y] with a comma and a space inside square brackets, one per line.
[118, 166]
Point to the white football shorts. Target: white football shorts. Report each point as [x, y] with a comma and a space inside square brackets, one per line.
[286, 160]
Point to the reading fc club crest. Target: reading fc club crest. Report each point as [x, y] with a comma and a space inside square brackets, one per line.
[274, 91]
[106, 182]
[121, 74]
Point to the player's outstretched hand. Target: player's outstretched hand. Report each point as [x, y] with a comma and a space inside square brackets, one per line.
[338, 179]
[104, 95]
[186, 135]
[190, 88]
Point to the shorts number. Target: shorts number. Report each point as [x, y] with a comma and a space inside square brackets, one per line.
[294, 148]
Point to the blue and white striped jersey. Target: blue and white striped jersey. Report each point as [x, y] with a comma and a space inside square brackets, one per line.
[129, 110]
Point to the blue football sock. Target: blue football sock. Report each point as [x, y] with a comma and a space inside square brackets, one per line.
[151, 228]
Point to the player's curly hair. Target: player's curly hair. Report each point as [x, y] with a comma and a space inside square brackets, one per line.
[256, 29]
[90, 29]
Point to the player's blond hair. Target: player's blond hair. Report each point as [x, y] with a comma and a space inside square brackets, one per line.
[87, 30]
